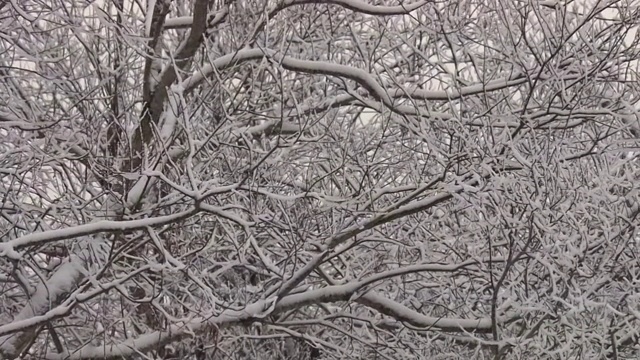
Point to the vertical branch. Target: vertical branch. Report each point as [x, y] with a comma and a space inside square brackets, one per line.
[114, 130]
[152, 69]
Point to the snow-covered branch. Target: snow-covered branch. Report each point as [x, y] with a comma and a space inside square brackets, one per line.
[185, 328]
[396, 179]
[406, 315]
[9, 248]
[365, 79]
[363, 7]
[48, 294]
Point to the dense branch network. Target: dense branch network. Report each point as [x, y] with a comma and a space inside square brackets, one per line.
[331, 179]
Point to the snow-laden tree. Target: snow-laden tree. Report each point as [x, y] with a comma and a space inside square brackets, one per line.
[285, 179]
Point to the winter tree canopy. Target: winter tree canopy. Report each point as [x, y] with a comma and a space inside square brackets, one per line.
[319, 179]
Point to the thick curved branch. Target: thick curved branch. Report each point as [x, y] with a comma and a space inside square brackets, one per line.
[8, 249]
[47, 295]
[32, 319]
[406, 315]
[264, 307]
[183, 22]
[156, 96]
[365, 79]
[363, 7]
[173, 333]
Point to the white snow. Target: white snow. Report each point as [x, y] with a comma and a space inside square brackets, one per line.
[149, 19]
[8, 248]
[178, 22]
[137, 191]
[382, 304]
[63, 280]
[147, 341]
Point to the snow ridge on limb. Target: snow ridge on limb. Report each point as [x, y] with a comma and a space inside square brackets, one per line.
[404, 314]
[48, 293]
[383, 305]
[66, 306]
[183, 22]
[175, 332]
[365, 79]
[362, 7]
[264, 308]
[9, 248]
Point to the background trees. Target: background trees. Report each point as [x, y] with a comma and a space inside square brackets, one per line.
[327, 179]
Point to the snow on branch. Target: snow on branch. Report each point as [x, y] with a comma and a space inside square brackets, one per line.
[392, 213]
[363, 7]
[47, 295]
[263, 308]
[10, 121]
[9, 248]
[383, 305]
[421, 94]
[365, 79]
[65, 307]
[179, 22]
[173, 333]
[404, 314]
[183, 22]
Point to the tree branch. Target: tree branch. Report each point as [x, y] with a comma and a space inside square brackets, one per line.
[47, 295]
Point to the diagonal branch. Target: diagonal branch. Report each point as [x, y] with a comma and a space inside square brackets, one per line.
[183, 55]
[47, 295]
[155, 94]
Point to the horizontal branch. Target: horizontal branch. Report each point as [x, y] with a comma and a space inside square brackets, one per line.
[264, 307]
[404, 314]
[35, 315]
[365, 79]
[432, 95]
[8, 121]
[383, 305]
[388, 307]
[9, 248]
[179, 22]
[362, 7]
[184, 22]
[158, 338]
